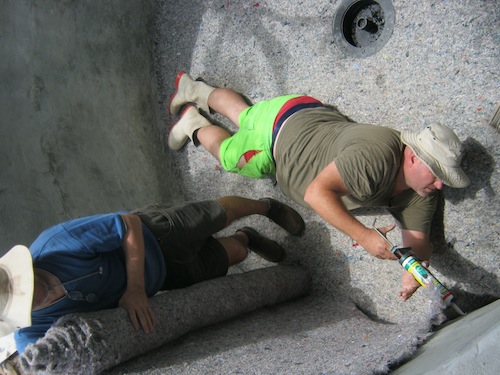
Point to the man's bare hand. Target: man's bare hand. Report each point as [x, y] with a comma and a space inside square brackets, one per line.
[376, 245]
[137, 305]
[410, 285]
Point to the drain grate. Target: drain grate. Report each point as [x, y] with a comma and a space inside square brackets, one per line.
[362, 27]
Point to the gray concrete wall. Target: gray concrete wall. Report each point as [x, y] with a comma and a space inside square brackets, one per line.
[79, 113]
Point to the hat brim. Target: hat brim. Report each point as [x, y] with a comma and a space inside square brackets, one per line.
[18, 264]
[453, 177]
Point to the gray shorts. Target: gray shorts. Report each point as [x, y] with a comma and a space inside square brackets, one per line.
[184, 232]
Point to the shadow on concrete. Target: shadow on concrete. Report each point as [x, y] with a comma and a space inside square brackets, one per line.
[467, 275]
[479, 165]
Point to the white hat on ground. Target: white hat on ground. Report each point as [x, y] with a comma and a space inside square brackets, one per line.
[16, 289]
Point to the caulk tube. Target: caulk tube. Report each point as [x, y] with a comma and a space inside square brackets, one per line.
[424, 277]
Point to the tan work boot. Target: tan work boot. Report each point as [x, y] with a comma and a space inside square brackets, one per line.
[188, 90]
[190, 121]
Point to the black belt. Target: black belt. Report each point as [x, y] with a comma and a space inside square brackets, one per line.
[285, 116]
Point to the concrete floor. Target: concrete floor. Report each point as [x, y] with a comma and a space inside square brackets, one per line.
[84, 126]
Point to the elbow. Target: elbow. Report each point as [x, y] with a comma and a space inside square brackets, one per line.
[131, 222]
[131, 218]
[315, 195]
[309, 195]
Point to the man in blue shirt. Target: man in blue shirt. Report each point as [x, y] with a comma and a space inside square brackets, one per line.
[121, 259]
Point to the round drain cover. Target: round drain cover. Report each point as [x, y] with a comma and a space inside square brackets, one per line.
[362, 27]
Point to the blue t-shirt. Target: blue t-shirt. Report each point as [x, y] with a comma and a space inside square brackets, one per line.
[87, 254]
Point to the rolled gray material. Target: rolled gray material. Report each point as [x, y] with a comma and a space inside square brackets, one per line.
[90, 343]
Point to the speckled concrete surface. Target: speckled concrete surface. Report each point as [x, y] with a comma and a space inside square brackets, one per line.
[440, 65]
[80, 135]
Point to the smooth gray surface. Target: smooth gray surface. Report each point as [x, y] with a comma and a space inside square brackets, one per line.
[468, 346]
[82, 132]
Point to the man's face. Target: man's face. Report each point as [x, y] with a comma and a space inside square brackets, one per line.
[422, 180]
[40, 292]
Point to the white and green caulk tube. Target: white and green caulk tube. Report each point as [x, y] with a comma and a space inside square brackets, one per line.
[424, 277]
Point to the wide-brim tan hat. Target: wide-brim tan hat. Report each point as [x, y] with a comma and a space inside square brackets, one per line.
[16, 289]
[441, 150]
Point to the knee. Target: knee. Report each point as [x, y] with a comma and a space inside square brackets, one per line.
[227, 204]
[240, 254]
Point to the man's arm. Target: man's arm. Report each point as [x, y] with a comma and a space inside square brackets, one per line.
[421, 248]
[135, 300]
[324, 195]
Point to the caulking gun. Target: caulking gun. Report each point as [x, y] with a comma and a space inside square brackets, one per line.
[424, 277]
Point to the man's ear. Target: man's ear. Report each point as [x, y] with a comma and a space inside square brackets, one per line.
[410, 155]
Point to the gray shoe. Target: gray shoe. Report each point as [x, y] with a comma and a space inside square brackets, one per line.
[285, 216]
[264, 247]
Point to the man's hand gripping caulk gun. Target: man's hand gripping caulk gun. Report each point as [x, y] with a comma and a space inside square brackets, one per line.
[424, 277]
